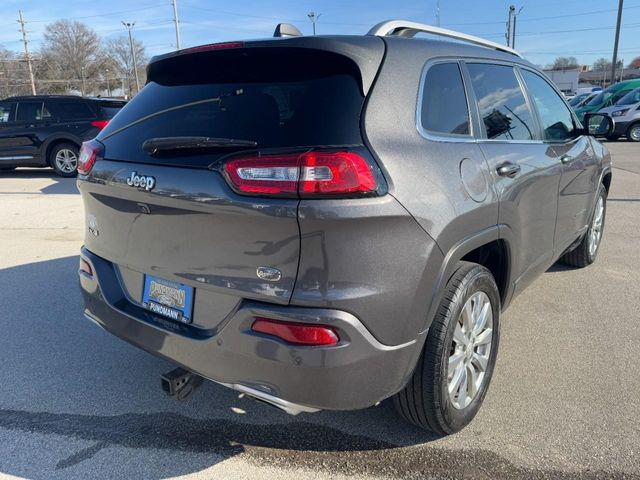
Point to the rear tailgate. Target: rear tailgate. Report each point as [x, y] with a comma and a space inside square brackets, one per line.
[191, 228]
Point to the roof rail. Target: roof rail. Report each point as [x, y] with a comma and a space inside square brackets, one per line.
[405, 28]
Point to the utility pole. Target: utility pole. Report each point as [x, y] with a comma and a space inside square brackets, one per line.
[176, 21]
[513, 35]
[84, 85]
[26, 52]
[314, 18]
[438, 13]
[512, 10]
[615, 43]
[129, 26]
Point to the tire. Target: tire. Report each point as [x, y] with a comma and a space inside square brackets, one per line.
[7, 169]
[612, 138]
[63, 158]
[633, 132]
[586, 251]
[425, 401]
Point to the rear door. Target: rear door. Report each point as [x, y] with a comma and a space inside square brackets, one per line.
[71, 116]
[580, 169]
[525, 169]
[191, 227]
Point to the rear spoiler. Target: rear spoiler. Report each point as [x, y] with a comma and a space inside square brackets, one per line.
[366, 52]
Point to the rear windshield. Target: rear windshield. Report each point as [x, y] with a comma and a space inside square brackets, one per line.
[108, 108]
[277, 97]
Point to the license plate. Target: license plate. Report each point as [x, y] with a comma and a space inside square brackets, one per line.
[169, 299]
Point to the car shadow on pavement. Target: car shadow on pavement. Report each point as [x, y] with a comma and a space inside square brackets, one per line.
[66, 379]
[60, 185]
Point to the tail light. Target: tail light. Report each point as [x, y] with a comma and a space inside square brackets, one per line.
[296, 333]
[309, 174]
[88, 153]
[100, 123]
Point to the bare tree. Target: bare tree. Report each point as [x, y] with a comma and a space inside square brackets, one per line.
[119, 55]
[604, 64]
[565, 63]
[635, 63]
[71, 56]
[14, 78]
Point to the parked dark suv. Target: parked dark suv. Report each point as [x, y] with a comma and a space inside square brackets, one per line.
[330, 221]
[47, 130]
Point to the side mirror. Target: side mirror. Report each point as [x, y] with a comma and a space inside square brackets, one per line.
[597, 124]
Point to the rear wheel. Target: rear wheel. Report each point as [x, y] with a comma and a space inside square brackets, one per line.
[587, 251]
[633, 133]
[64, 159]
[455, 368]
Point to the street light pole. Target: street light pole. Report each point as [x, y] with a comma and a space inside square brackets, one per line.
[129, 27]
[108, 86]
[314, 18]
[615, 43]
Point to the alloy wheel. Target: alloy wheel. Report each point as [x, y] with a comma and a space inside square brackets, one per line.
[595, 230]
[470, 350]
[66, 160]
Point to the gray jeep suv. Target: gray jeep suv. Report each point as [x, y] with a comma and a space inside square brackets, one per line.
[327, 222]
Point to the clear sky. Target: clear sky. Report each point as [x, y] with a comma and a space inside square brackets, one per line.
[545, 28]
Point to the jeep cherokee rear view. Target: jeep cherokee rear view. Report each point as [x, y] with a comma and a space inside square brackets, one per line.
[327, 222]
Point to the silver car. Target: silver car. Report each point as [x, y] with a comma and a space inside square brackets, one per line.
[626, 116]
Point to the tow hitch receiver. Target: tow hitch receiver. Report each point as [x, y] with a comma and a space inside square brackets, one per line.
[180, 383]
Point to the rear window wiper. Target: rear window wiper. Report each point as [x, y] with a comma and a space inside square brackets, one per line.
[163, 144]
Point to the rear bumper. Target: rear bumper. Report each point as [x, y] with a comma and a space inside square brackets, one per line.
[356, 373]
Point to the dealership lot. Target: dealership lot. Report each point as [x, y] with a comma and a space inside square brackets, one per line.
[76, 402]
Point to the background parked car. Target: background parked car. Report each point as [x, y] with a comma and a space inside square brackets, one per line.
[581, 99]
[47, 131]
[626, 116]
[607, 97]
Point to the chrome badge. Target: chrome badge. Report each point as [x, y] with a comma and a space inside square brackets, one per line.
[92, 225]
[142, 181]
[269, 274]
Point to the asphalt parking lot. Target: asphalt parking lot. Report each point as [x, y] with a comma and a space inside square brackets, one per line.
[76, 402]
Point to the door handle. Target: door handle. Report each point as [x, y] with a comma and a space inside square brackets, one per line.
[508, 169]
[566, 158]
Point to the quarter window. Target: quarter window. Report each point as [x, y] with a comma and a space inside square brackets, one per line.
[444, 103]
[556, 119]
[502, 104]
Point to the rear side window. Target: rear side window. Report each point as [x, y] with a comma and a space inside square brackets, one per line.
[31, 112]
[556, 119]
[503, 108]
[444, 109]
[70, 110]
[277, 97]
